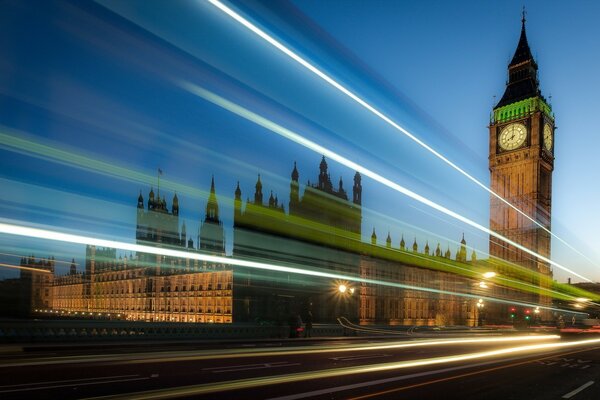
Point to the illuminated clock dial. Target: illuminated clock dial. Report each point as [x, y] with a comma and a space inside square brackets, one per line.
[512, 136]
[548, 137]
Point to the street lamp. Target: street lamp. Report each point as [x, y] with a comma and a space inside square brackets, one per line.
[480, 306]
[489, 275]
[342, 288]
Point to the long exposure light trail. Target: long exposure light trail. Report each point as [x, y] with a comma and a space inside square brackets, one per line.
[46, 234]
[306, 64]
[297, 138]
[3, 265]
[356, 370]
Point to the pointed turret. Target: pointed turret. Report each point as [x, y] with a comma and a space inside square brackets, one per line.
[324, 179]
[212, 207]
[294, 192]
[357, 190]
[271, 200]
[427, 247]
[388, 241]
[438, 250]
[73, 269]
[211, 237]
[151, 199]
[295, 174]
[140, 200]
[402, 243]
[373, 238]
[175, 204]
[237, 202]
[415, 246]
[258, 195]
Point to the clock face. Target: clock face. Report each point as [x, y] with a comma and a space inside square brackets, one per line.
[548, 137]
[512, 136]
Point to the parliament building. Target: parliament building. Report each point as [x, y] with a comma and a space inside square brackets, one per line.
[320, 233]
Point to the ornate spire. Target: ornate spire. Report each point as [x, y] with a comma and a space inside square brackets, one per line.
[238, 192]
[212, 207]
[140, 200]
[295, 174]
[357, 189]
[258, 195]
[373, 238]
[522, 73]
[402, 243]
[388, 240]
[415, 245]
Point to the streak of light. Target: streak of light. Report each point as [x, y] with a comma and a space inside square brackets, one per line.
[111, 169]
[281, 47]
[195, 390]
[84, 240]
[25, 268]
[245, 353]
[297, 138]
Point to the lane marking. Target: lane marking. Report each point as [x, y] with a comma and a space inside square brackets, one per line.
[579, 389]
[69, 380]
[74, 384]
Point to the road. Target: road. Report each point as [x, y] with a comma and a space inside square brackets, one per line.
[475, 367]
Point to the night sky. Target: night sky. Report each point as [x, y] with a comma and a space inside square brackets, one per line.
[93, 91]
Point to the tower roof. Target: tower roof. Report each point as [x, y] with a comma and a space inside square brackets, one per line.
[522, 73]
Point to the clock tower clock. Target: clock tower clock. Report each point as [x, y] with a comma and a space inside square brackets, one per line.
[521, 161]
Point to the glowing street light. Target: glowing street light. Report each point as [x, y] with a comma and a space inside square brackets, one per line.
[483, 285]
[342, 288]
[489, 275]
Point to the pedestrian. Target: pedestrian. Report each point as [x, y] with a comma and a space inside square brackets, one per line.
[308, 326]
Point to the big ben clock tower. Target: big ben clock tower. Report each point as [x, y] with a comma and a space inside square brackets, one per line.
[521, 162]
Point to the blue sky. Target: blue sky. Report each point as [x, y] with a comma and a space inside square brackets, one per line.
[101, 80]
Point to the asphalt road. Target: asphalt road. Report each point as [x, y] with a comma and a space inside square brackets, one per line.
[330, 369]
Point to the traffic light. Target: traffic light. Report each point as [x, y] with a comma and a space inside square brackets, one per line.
[512, 312]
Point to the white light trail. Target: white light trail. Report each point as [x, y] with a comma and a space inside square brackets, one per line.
[215, 387]
[281, 47]
[295, 137]
[86, 240]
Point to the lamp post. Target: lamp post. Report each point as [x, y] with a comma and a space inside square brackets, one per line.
[480, 306]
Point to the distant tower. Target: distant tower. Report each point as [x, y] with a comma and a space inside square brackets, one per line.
[73, 268]
[324, 180]
[357, 190]
[237, 202]
[461, 254]
[294, 192]
[373, 238]
[258, 195]
[212, 236]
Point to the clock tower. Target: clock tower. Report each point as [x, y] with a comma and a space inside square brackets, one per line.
[521, 161]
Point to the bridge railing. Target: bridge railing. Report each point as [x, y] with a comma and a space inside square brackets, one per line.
[94, 330]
